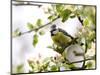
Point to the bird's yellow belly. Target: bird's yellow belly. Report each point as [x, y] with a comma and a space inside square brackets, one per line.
[61, 39]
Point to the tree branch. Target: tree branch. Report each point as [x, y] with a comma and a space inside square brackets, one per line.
[83, 66]
[36, 29]
[92, 58]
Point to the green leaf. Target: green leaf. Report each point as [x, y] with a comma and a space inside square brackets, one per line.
[92, 36]
[16, 33]
[89, 64]
[89, 45]
[35, 40]
[50, 47]
[54, 68]
[59, 49]
[49, 10]
[45, 66]
[72, 66]
[30, 26]
[51, 17]
[59, 8]
[41, 32]
[39, 22]
[31, 64]
[65, 14]
[86, 22]
[20, 68]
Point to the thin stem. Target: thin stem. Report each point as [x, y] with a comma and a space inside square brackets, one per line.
[92, 58]
[84, 53]
[36, 29]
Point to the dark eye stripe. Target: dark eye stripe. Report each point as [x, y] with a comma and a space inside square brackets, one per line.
[53, 30]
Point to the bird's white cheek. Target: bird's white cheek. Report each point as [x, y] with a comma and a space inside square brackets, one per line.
[55, 32]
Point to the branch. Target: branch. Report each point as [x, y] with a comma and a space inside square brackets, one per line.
[36, 29]
[84, 53]
[92, 58]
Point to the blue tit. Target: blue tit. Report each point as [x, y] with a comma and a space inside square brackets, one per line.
[60, 37]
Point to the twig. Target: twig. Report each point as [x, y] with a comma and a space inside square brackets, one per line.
[92, 58]
[36, 29]
[83, 66]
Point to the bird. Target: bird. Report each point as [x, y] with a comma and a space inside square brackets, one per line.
[60, 37]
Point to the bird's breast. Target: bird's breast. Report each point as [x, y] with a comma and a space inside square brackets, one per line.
[61, 40]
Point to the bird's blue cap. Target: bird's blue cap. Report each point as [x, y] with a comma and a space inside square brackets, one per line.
[53, 26]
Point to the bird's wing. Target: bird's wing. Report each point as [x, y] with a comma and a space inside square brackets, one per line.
[65, 33]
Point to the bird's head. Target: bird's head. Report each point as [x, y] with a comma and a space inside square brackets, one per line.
[54, 30]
